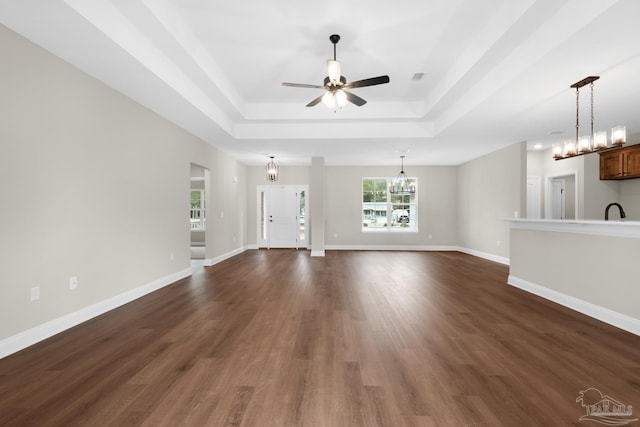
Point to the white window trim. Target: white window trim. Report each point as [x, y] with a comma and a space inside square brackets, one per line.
[388, 229]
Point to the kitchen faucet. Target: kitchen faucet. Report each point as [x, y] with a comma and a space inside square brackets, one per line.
[606, 211]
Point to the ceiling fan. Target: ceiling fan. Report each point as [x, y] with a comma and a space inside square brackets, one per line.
[336, 84]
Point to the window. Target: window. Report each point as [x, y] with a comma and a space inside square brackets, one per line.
[197, 210]
[302, 207]
[383, 211]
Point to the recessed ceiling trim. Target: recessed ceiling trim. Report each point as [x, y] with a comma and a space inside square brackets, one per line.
[173, 22]
[333, 130]
[373, 110]
[107, 18]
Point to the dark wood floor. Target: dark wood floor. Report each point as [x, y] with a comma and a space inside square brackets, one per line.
[276, 338]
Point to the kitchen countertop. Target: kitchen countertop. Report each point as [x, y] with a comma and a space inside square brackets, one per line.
[614, 228]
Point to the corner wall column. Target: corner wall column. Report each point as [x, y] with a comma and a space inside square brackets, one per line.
[317, 189]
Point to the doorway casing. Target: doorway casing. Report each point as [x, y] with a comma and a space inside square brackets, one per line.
[292, 227]
[548, 193]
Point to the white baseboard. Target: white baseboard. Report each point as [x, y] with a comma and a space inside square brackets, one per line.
[606, 315]
[253, 246]
[213, 261]
[485, 255]
[389, 248]
[46, 330]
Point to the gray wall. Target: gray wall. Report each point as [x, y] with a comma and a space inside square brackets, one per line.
[570, 197]
[437, 187]
[606, 276]
[490, 189]
[542, 164]
[596, 194]
[95, 186]
[630, 189]
[437, 210]
[630, 198]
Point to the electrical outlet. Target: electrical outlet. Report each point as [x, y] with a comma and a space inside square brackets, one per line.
[171, 256]
[73, 282]
[498, 243]
[221, 214]
[35, 293]
[335, 236]
[430, 236]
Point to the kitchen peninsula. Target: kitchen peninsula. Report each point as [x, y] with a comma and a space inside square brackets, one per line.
[590, 266]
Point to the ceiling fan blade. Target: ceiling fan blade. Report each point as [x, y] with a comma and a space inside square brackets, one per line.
[367, 82]
[315, 101]
[302, 85]
[355, 99]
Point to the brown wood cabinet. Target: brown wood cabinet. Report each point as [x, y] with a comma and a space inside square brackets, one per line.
[620, 163]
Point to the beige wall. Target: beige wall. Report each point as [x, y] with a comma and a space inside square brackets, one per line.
[95, 186]
[437, 210]
[630, 189]
[570, 197]
[542, 164]
[436, 204]
[596, 194]
[491, 188]
[630, 198]
[605, 276]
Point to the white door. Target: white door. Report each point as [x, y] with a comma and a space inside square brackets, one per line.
[533, 197]
[282, 216]
[557, 199]
[282, 219]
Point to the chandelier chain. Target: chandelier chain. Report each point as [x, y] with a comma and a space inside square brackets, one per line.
[591, 112]
[577, 114]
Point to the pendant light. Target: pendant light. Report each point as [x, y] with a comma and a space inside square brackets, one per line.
[593, 142]
[401, 184]
[272, 171]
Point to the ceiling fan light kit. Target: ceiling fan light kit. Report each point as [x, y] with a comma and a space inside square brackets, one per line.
[335, 84]
[333, 68]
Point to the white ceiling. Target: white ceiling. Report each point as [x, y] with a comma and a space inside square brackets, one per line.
[496, 72]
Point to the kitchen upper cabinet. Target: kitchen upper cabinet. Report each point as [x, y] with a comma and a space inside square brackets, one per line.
[620, 163]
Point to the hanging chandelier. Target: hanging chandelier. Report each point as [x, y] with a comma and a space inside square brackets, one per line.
[272, 171]
[401, 184]
[594, 141]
